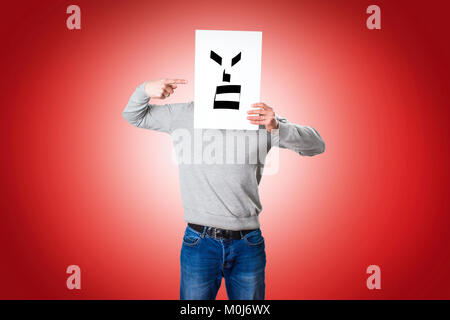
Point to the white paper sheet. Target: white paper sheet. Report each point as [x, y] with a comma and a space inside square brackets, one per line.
[227, 78]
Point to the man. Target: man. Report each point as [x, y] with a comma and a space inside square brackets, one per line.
[220, 200]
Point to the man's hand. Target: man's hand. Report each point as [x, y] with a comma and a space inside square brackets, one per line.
[264, 115]
[163, 88]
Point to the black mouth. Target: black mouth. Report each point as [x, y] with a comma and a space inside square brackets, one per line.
[234, 105]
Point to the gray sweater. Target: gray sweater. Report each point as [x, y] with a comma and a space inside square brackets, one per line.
[220, 170]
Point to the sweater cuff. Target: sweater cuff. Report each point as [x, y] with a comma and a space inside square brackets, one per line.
[140, 92]
[279, 135]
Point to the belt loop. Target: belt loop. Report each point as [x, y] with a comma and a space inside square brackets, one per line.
[202, 235]
[240, 232]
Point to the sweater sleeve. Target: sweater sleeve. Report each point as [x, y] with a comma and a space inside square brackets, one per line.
[139, 113]
[303, 140]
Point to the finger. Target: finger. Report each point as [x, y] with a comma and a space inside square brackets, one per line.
[174, 86]
[179, 81]
[261, 105]
[259, 118]
[266, 115]
[260, 111]
[175, 81]
[166, 93]
[169, 89]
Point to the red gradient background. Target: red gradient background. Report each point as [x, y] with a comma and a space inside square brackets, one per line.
[81, 186]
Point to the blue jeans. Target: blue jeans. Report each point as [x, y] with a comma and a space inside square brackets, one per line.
[205, 260]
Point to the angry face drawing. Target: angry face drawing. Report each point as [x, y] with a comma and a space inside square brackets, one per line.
[227, 96]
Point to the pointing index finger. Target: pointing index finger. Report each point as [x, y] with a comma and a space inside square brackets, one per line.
[176, 81]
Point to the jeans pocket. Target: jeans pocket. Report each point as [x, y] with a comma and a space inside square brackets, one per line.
[191, 238]
[254, 238]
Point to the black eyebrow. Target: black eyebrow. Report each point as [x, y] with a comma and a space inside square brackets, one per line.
[236, 59]
[216, 57]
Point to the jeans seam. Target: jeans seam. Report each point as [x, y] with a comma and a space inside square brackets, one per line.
[223, 255]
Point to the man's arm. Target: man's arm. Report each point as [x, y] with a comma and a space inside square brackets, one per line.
[141, 114]
[304, 140]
